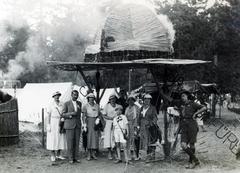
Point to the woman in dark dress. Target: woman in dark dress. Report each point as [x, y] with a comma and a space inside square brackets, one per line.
[146, 119]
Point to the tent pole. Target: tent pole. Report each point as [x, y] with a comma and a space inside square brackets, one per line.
[97, 86]
[167, 144]
[84, 78]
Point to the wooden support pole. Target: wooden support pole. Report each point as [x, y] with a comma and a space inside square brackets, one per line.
[43, 135]
[85, 79]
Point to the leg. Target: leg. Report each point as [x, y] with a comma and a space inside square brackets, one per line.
[94, 154]
[137, 145]
[76, 145]
[89, 154]
[118, 152]
[109, 154]
[53, 157]
[125, 152]
[69, 136]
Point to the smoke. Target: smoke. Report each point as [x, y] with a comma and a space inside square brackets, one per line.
[59, 30]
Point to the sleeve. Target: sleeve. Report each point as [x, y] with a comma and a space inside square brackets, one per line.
[125, 119]
[197, 106]
[49, 109]
[154, 114]
[114, 122]
[84, 109]
[104, 111]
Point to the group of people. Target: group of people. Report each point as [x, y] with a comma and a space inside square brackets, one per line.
[129, 126]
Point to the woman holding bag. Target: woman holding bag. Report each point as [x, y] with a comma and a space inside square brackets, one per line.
[56, 141]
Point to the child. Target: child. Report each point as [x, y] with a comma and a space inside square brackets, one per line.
[120, 129]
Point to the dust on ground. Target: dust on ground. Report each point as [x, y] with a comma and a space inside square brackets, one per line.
[215, 156]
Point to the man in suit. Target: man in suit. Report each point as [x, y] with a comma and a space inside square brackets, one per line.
[72, 124]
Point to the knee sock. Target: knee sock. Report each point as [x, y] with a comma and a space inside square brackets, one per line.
[191, 154]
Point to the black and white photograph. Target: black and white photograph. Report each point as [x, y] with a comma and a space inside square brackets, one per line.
[123, 86]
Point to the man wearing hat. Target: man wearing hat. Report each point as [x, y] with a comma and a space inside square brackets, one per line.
[72, 124]
[109, 113]
[56, 141]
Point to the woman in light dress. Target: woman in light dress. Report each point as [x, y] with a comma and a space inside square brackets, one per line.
[91, 112]
[108, 114]
[56, 141]
[131, 113]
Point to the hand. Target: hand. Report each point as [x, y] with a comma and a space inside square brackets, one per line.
[62, 119]
[195, 116]
[48, 128]
[84, 127]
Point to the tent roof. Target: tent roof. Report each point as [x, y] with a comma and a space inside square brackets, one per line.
[143, 63]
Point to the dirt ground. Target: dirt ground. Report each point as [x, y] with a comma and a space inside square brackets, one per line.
[215, 156]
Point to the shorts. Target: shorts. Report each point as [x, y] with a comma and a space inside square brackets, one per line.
[189, 130]
[118, 136]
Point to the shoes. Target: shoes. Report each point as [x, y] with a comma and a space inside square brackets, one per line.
[110, 157]
[53, 158]
[193, 165]
[94, 157]
[71, 161]
[117, 161]
[60, 157]
[88, 158]
[137, 158]
[77, 161]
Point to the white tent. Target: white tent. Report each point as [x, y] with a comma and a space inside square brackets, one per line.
[36, 96]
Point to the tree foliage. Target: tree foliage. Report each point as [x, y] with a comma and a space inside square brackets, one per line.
[213, 35]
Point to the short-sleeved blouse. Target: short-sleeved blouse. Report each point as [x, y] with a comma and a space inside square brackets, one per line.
[91, 111]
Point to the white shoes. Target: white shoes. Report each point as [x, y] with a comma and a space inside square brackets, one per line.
[60, 157]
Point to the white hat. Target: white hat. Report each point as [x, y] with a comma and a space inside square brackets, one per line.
[112, 96]
[56, 93]
[147, 96]
[119, 107]
[90, 95]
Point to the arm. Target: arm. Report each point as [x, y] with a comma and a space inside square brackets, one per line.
[66, 114]
[204, 108]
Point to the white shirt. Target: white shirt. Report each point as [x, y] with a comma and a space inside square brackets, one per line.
[120, 121]
[74, 105]
[144, 111]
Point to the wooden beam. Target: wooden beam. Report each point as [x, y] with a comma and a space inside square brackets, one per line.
[84, 78]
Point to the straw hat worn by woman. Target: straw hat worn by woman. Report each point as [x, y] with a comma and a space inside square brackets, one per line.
[56, 141]
[108, 114]
[90, 113]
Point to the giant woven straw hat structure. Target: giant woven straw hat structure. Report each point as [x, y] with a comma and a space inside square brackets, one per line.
[132, 28]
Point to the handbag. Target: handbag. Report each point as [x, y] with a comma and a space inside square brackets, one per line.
[101, 125]
[61, 124]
